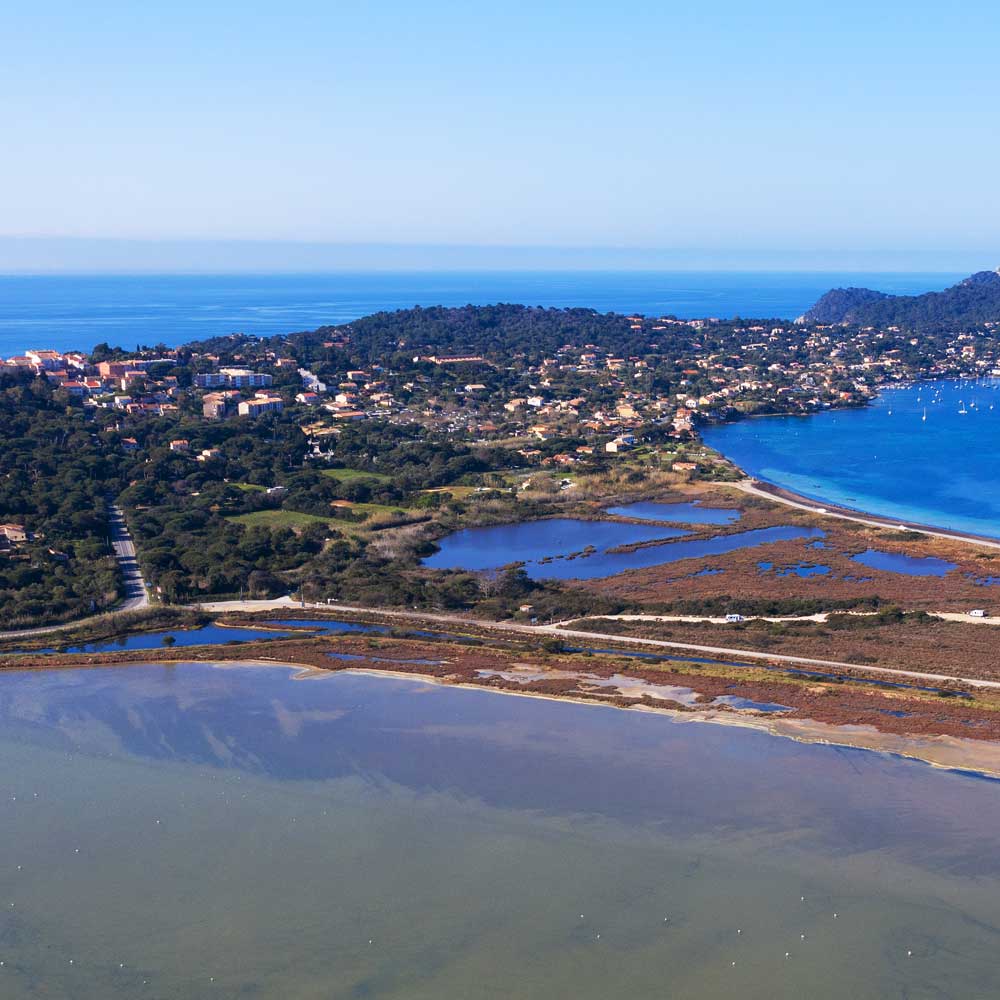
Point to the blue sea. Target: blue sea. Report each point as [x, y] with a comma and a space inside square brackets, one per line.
[912, 455]
[76, 312]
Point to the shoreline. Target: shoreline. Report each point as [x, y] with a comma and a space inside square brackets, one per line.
[980, 758]
[780, 494]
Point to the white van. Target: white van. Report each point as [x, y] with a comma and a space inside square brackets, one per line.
[734, 618]
[977, 613]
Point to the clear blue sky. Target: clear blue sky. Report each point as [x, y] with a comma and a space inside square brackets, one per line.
[842, 132]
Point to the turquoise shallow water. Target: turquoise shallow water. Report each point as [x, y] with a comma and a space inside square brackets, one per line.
[191, 831]
[886, 459]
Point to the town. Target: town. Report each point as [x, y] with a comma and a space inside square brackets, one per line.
[680, 375]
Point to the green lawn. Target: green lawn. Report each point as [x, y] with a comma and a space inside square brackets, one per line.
[458, 492]
[371, 509]
[352, 475]
[279, 519]
[249, 487]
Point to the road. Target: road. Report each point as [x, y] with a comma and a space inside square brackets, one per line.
[535, 630]
[751, 487]
[136, 593]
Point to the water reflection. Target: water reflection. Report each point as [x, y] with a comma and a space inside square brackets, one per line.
[179, 830]
[544, 547]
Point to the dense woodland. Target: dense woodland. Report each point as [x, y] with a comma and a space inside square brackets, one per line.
[54, 476]
[972, 301]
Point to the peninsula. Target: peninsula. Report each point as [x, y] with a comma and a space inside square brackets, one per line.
[347, 464]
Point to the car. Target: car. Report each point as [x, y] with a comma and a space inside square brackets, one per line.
[977, 613]
[734, 618]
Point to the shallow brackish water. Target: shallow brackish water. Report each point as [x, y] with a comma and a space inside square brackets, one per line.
[913, 454]
[684, 513]
[545, 545]
[193, 831]
[899, 562]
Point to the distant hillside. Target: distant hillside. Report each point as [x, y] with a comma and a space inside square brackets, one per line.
[974, 300]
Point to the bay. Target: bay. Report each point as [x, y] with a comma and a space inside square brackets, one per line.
[927, 453]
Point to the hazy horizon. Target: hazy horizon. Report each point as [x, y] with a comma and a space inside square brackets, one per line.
[80, 256]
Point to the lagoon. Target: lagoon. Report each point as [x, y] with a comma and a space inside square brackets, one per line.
[887, 459]
[190, 831]
[685, 513]
[542, 546]
[530, 541]
[899, 562]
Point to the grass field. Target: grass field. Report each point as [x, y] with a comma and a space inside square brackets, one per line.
[458, 492]
[373, 509]
[279, 519]
[353, 475]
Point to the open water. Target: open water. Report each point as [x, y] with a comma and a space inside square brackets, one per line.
[75, 312]
[193, 831]
[928, 454]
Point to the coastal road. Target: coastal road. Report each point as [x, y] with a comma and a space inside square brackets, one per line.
[754, 489]
[136, 593]
[535, 630]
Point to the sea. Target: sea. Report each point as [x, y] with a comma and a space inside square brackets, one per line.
[76, 312]
[190, 830]
[927, 453]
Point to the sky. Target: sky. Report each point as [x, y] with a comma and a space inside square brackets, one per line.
[741, 134]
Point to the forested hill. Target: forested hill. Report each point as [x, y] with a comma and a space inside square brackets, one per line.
[531, 331]
[972, 301]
